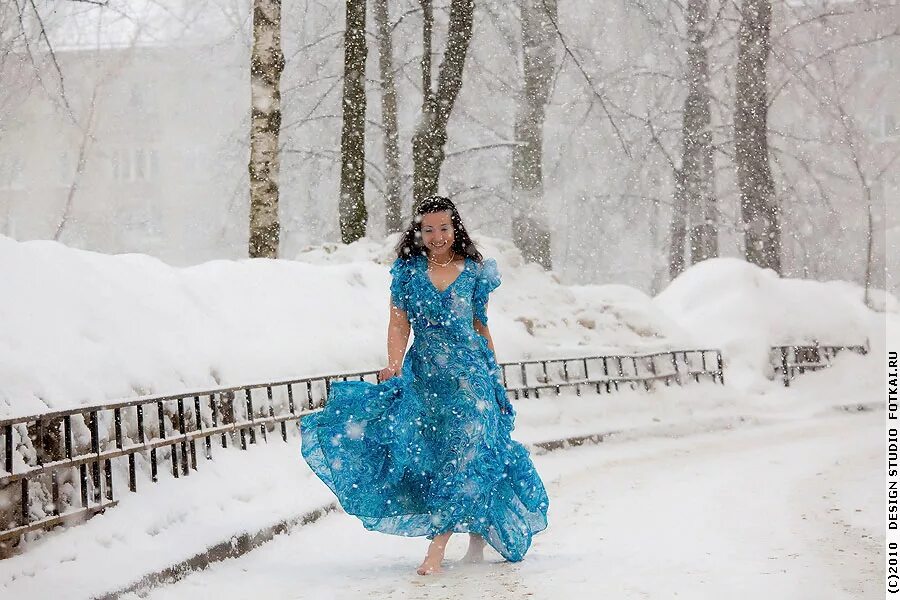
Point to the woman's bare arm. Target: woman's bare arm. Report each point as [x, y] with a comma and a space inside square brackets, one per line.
[482, 329]
[398, 336]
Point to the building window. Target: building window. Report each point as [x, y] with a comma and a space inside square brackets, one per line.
[136, 96]
[134, 164]
[886, 53]
[883, 126]
[11, 173]
[890, 126]
[67, 167]
[140, 216]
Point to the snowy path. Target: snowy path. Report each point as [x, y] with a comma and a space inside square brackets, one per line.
[777, 511]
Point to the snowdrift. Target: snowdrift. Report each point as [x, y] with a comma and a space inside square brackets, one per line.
[79, 327]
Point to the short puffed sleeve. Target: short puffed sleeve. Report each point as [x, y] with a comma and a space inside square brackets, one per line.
[400, 283]
[486, 280]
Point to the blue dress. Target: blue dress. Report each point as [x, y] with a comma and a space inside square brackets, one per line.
[429, 450]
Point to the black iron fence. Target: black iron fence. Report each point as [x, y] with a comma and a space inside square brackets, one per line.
[607, 373]
[790, 361]
[65, 466]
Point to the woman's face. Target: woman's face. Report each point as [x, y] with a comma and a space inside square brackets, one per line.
[437, 232]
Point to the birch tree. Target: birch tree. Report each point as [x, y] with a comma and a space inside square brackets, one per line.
[266, 66]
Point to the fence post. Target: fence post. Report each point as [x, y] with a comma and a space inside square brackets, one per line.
[785, 369]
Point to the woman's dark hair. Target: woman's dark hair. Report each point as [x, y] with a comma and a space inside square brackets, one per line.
[411, 241]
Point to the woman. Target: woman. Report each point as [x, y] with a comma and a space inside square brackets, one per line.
[427, 452]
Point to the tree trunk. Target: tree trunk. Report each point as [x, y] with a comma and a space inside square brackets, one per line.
[759, 207]
[266, 65]
[678, 228]
[530, 230]
[352, 208]
[392, 203]
[431, 132]
[427, 29]
[87, 136]
[870, 244]
[697, 151]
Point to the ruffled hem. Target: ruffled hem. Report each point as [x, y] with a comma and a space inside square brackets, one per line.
[367, 447]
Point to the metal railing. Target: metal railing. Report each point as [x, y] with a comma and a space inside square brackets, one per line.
[58, 466]
[792, 360]
[609, 372]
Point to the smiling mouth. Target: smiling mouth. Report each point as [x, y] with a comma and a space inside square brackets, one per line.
[436, 245]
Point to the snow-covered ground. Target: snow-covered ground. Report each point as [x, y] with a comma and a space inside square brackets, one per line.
[79, 327]
[706, 491]
[238, 492]
[762, 512]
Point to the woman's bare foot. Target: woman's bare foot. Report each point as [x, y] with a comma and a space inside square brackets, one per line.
[430, 566]
[475, 553]
[432, 563]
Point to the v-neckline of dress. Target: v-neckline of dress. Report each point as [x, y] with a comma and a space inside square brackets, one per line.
[452, 283]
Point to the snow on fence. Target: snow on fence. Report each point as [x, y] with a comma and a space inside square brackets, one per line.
[790, 361]
[58, 467]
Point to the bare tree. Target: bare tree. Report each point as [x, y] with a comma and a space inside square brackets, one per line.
[530, 230]
[87, 136]
[678, 227]
[697, 175]
[30, 22]
[824, 150]
[760, 211]
[352, 206]
[854, 146]
[427, 31]
[431, 132]
[266, 66]
[388, 118]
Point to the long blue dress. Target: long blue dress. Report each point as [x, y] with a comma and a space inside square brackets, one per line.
[429, 450]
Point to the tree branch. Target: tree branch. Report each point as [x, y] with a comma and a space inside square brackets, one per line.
[600, 97]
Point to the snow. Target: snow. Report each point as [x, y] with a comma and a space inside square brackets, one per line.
[174, 520]
[670, 502]
[650, 519]
[747, 489]
[135, 23]
[80, 327]
[744, 310]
